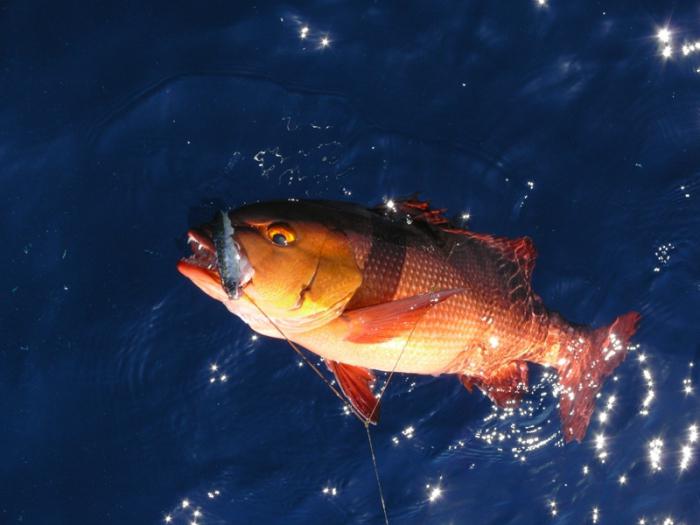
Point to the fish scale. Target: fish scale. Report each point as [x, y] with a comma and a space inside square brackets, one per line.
[456, 328]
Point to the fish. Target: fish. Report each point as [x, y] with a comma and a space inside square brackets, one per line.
[231, 266]
[399, 288]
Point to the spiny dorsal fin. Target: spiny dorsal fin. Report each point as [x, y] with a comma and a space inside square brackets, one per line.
[521, 250]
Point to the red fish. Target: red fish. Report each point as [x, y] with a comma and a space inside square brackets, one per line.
[399, 288]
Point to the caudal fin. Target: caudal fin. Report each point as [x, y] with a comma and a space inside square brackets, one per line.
[586, 359]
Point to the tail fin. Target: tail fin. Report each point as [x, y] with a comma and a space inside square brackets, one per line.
[586, 359]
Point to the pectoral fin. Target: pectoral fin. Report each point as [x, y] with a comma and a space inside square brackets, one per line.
[375, 324]
[356, 384]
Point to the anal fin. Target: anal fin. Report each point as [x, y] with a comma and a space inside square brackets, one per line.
[505, 386]
[356, 384]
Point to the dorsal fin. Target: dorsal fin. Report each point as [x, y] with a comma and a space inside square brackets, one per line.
[521, 250]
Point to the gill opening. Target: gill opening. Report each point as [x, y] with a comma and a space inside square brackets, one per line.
[343, 398]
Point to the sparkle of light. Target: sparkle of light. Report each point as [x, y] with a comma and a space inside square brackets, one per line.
[435, 494]
[686, 456]
[325, 41]
[664, 35]
[304, 32]
[656, 447]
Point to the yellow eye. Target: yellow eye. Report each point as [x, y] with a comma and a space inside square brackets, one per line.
[281, 234]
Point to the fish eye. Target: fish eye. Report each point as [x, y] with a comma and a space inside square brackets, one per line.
[281, 234]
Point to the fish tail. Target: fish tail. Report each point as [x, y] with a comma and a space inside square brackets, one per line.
[585, 358]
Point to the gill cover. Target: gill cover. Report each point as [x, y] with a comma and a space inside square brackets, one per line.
[305, 271]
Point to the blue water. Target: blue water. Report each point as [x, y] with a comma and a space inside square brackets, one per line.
[121, 124]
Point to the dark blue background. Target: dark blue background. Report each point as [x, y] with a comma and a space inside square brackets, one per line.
[123, 123]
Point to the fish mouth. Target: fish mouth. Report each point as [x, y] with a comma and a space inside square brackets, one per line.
[202, 267]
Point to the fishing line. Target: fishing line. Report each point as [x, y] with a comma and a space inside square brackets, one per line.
[343, 398]
[304, 358]
[391, 374]
[340, 396]
[376, 473]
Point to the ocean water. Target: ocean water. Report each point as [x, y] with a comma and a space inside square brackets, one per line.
[128, 397]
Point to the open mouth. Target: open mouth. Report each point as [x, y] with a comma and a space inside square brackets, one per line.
[203, 252]
[204, 268]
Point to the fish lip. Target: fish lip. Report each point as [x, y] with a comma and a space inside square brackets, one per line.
[204, 257]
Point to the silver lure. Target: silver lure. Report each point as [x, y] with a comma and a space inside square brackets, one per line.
[228, 258]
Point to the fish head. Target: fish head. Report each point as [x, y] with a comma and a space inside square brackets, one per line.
[300, 267]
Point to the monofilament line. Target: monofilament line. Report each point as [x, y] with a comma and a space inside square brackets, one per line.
[363, 420]
[376, 473]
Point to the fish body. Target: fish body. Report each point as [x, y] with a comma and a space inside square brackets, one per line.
[398, 288]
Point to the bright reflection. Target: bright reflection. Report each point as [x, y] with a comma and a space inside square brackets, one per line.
[304, 32]
[686, 456]
[600, 446]
[664, 35]
[651, 394]
[435, 493]
[325, 41]
[330, 491]
[656, 447]
[687, 449]
[687, 386]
